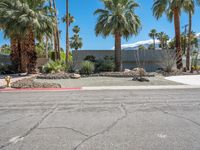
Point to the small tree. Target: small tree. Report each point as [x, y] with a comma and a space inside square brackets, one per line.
[76, 41]
[168, 60]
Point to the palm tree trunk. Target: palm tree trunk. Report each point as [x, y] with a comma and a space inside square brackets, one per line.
[118, 62]
[23, 48]
[31, 53]
[189, 42]
[55, 45]
[76, 58]
[179, 62]
[57, 36]
[154, 43]
[46, 48]
[67, 31]
[15, 55]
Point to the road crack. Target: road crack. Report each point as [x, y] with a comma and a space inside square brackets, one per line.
[108, 128]
[178, 116]
[67, 128]
[20, 138]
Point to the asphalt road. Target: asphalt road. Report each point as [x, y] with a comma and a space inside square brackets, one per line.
[101, 120]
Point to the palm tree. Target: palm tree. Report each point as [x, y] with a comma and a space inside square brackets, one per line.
[118, 19]
[189, 7]
[67, 31]
[76, 41]
[23, 22]
[152, 35]
[160, 37]
[173, 10]
[163, 38]
[68, 19]
[56, 30]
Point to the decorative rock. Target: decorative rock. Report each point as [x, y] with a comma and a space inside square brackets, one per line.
[140, 79]
[30, 83]
[75, 76]
[127, 70]
[140, 72]
[54, 76]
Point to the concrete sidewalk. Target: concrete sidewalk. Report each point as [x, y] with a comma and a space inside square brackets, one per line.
[187, 79]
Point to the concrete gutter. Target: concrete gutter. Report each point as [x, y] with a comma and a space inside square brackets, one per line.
[141, 87]
[101, 88]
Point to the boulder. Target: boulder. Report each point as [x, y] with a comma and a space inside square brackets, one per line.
[75, 76]
[140, 72]
[127, 70]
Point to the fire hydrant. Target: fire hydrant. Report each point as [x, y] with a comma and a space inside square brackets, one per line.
[8, 81]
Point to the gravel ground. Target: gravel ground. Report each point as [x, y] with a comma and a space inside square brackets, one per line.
[13, 79]
[108, 81]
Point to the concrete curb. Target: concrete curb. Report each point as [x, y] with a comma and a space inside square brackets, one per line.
[101, 88]
[141, 87]
[38, 89]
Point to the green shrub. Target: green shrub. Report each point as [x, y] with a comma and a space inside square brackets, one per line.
[105, 66]
[6, 69]
[53, 56]
[87, 68]
[90, 58]
[54, 67]
[109, 58]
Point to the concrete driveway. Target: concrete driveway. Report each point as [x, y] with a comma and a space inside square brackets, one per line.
[187, 79]
[100, 120]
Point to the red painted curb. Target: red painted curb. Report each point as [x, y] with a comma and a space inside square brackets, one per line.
[40, 89]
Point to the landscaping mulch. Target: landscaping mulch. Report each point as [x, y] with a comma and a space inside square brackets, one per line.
[102, 74]
[30, 83]
[119, 74]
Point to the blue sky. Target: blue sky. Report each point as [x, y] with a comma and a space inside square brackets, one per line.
[83, 10]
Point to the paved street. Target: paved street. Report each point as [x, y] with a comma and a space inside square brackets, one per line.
[100, 120]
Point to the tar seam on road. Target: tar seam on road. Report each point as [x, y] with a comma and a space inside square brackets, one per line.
[31, 129]
[125, 114]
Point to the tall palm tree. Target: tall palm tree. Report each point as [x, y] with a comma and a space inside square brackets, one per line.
[23, 22]
[152, 35]
[67, 31]
[118, 18]
[68, 19]
[173, 10]
[56, 33]
[189, 7]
